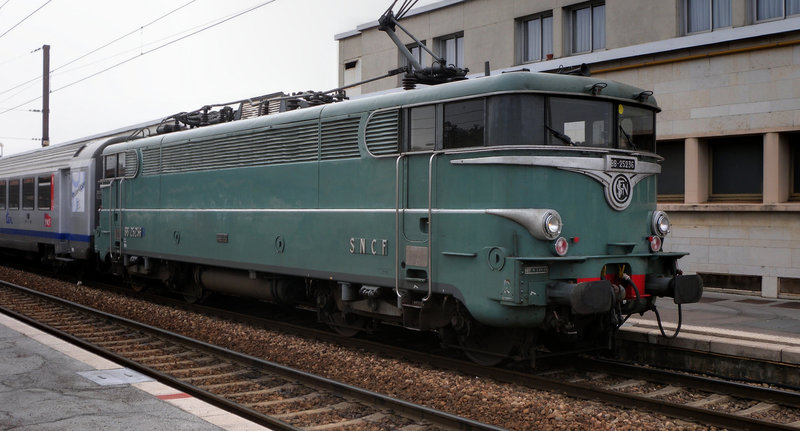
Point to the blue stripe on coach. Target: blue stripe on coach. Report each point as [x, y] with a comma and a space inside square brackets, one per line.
[49, 235]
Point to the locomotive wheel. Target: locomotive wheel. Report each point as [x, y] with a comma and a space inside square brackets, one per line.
[346, 325]
[486, 346]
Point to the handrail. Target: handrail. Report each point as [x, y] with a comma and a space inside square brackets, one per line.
[430, 227]
[397, 225]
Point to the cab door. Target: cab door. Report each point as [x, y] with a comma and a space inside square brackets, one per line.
[111, 216]
[423, 132]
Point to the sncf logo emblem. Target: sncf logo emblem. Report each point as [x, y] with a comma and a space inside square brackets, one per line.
[621, 190]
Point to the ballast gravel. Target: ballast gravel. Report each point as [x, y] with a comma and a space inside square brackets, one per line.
[509, 406]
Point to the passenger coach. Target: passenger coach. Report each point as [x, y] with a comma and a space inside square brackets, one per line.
[48, 200]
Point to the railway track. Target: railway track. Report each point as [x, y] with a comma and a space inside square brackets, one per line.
[264, 392]
[710, 401]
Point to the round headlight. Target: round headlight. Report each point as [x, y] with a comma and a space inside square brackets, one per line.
[661, 224]
[552, 225]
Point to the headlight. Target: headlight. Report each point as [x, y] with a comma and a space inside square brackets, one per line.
[661, 225]
[551, 225]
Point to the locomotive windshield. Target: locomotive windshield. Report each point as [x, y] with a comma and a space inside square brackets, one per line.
[579, 122]
[530, 119]
[525, 119]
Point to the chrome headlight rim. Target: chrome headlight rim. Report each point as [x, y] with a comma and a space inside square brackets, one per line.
[552, 225]
[661, 225]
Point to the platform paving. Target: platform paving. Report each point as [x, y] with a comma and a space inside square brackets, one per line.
[48, 384]
[728, 324]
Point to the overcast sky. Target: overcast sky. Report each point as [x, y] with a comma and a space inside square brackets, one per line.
[284, 45]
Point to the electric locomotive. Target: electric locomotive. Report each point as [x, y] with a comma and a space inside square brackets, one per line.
[504, 212]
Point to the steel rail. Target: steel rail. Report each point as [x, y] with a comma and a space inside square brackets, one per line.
[410, 409]
[577, 390]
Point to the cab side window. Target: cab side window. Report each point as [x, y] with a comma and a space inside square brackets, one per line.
[110, 166]
[464, 124]
[422, 128]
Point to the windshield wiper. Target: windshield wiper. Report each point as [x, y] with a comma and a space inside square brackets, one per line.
[628, 138]
[562, 137]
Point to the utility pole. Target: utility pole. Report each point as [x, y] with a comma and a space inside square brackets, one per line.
[46, 96]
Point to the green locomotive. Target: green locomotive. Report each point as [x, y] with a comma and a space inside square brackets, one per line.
[503, 212]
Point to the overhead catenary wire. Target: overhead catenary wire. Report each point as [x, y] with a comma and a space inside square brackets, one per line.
[221, 21]
[137, 29]
[140, 28]
[24, 19]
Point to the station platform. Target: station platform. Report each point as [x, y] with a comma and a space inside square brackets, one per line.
[49, 384]
[728, 324]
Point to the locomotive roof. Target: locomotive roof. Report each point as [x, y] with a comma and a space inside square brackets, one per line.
[533, 82]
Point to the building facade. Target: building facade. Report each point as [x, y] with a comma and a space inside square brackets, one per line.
[726, 74]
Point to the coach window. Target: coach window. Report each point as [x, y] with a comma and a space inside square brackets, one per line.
[464, 124]
[515, 119]
[13, 194]
[737, 168]
[45, 193]
[28, 193]
[422, 128]
[3, 196]
[111, 166]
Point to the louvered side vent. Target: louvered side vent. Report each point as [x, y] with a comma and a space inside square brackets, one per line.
[339, 139]
[131, 164]
[151, 161]
[382, 133]
[266, 147]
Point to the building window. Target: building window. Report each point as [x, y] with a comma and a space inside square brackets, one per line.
[352, 75]
[767, 10]
[451, 49]
[588, 27]
[794, 193]
[705, 15]
[737, 168]
[3, 194]
[464, 124]
[671, 186]
[417, 52]
[13, 195]
[28, 193]
[535, 36]
[745, 283]
[45, 193]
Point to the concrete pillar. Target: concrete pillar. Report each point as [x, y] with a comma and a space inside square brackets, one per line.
[696, 174]
[769, 287]
[776, 169]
